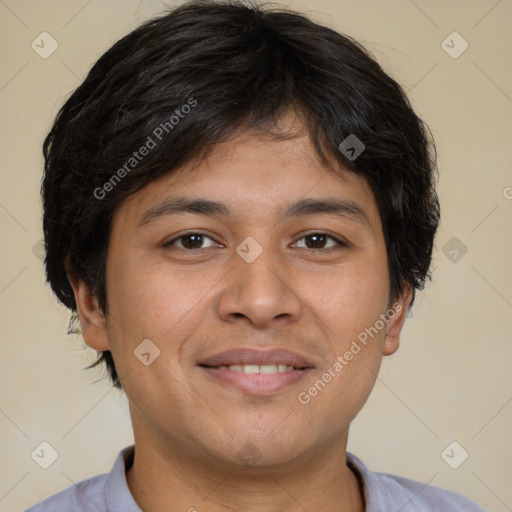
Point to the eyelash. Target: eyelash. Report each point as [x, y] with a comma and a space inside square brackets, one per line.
[339, 243]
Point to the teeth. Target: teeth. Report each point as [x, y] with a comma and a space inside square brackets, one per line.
[254, 368]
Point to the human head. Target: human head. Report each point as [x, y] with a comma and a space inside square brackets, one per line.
[235, 66]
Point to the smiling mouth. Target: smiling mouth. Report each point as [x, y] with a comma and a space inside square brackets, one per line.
[253, 379]
[266, 369]
[254, 371]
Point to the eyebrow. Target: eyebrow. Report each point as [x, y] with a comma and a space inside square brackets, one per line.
[334, 206]
[305, 206]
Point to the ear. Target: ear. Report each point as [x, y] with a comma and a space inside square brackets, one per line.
[92, 319]
[397, 313]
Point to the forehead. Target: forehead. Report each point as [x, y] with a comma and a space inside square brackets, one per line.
[257, 177]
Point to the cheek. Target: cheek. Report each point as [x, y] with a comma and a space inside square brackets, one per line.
[354, 298]
[350, 309]
[349, 299]
[156, 300]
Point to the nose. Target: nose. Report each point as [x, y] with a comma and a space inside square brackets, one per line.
[261, 292]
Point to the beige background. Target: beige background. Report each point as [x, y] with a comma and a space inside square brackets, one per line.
[451, 379]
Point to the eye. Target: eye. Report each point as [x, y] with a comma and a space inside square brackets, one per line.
[191, 241]
[320, 241]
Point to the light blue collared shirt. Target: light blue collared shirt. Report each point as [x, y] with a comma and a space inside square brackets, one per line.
[382, 492]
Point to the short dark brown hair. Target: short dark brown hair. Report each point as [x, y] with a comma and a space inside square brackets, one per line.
[244, 65]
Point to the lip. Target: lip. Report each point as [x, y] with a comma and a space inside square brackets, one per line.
[259, 357]
[256, 383]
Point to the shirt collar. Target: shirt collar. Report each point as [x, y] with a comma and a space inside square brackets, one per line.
[117, 492]
[375, 493]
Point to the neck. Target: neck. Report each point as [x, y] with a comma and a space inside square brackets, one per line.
[164, 478]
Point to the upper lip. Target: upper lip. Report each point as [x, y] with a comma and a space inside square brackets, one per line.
[259, 357]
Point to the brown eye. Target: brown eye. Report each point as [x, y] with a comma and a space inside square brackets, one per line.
[320, 241]
[191, 241]
[315, 241]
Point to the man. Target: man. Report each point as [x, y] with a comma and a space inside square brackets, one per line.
[239, 204]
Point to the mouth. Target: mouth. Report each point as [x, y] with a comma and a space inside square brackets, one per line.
[256, 372]
[250, 369]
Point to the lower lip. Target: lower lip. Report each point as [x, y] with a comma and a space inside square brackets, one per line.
[256, 383]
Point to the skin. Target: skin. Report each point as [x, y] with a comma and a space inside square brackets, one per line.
[192, 303]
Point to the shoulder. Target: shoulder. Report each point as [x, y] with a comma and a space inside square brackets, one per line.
[84, 496]
[102, 492]
[383, 491]
[420, 496]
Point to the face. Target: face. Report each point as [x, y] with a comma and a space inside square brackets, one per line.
[284, 262]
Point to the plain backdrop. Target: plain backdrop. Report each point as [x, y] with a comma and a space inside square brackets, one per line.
[451, 378]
